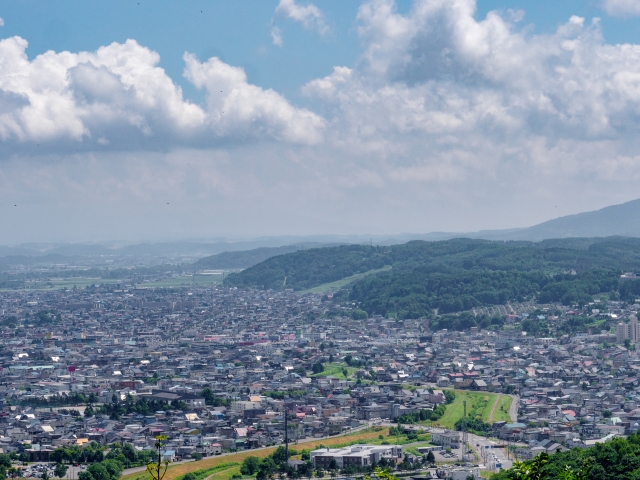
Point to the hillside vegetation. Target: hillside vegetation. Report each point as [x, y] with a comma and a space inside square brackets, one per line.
[456, 275]
[618, 459]
[243, 259]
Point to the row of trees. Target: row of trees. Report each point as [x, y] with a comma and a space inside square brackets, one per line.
[422, 415]
[129, 456]
[64, 399]
[276, 465]
[142, 406]
[473, 424]
[105, 470]
[91, 453]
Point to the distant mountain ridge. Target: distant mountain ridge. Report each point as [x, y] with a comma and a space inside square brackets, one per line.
[616, 220]
[621, 220]
[248, 258]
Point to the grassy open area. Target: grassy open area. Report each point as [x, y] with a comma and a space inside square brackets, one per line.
[179, 470]
[81, 282]
[218, 469]
[225, 474]
[390, 440]
[414, 448]
[187, 281]
[338, 284]
[335, 369]
[502, 411]
[478, 404]
[69, 283]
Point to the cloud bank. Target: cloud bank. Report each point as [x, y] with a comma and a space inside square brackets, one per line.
[454, 96]
[119, 95]
[621, 7]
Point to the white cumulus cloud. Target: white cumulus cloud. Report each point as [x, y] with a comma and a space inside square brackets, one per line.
[238, 108]
[1, 22]
[118, 96]
[621, 7]
[438, 91]
[276, 36]
[309, 15]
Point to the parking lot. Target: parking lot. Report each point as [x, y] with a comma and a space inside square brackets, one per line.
[442, 456]
[35, 470]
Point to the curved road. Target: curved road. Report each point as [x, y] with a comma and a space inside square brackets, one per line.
[513, 410]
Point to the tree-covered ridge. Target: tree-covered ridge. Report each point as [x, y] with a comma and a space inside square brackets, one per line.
[418, 293]
[309, 268]
[618, 459]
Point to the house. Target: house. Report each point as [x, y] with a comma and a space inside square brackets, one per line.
[168, 455]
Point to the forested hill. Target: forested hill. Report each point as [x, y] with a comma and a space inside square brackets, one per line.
[310, 268]
[456, 275]
[617, 459]
[244, 258]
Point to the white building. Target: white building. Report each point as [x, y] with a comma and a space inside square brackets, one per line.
[446, 439]
[356, 455]
[628, 331]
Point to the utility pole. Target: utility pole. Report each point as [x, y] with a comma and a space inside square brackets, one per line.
[286, 434]
[465, 435]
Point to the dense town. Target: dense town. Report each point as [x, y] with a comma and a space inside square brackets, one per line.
[219, 370]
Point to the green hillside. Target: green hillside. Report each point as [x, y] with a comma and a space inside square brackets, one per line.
[243, 259]
[617, 459]
[417, 278]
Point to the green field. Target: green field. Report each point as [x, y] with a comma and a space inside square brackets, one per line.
[198, 280]
[82, 282]
[335, 369]
[206, 472]
[421, 441]
[69, 283]
[502, 411]
[478, 404]
[338, 284]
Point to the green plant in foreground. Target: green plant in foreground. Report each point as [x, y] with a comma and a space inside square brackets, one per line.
[158, 469]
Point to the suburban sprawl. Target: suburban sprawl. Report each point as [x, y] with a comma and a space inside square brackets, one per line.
[225, 381]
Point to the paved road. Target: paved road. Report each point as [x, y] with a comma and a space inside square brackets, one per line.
[489, 456]
[513, 410]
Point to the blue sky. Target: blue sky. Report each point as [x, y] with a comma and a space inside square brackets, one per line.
[368, 116]
[238, 32]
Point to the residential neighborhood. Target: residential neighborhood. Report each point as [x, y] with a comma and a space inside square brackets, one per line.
[216, 370]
